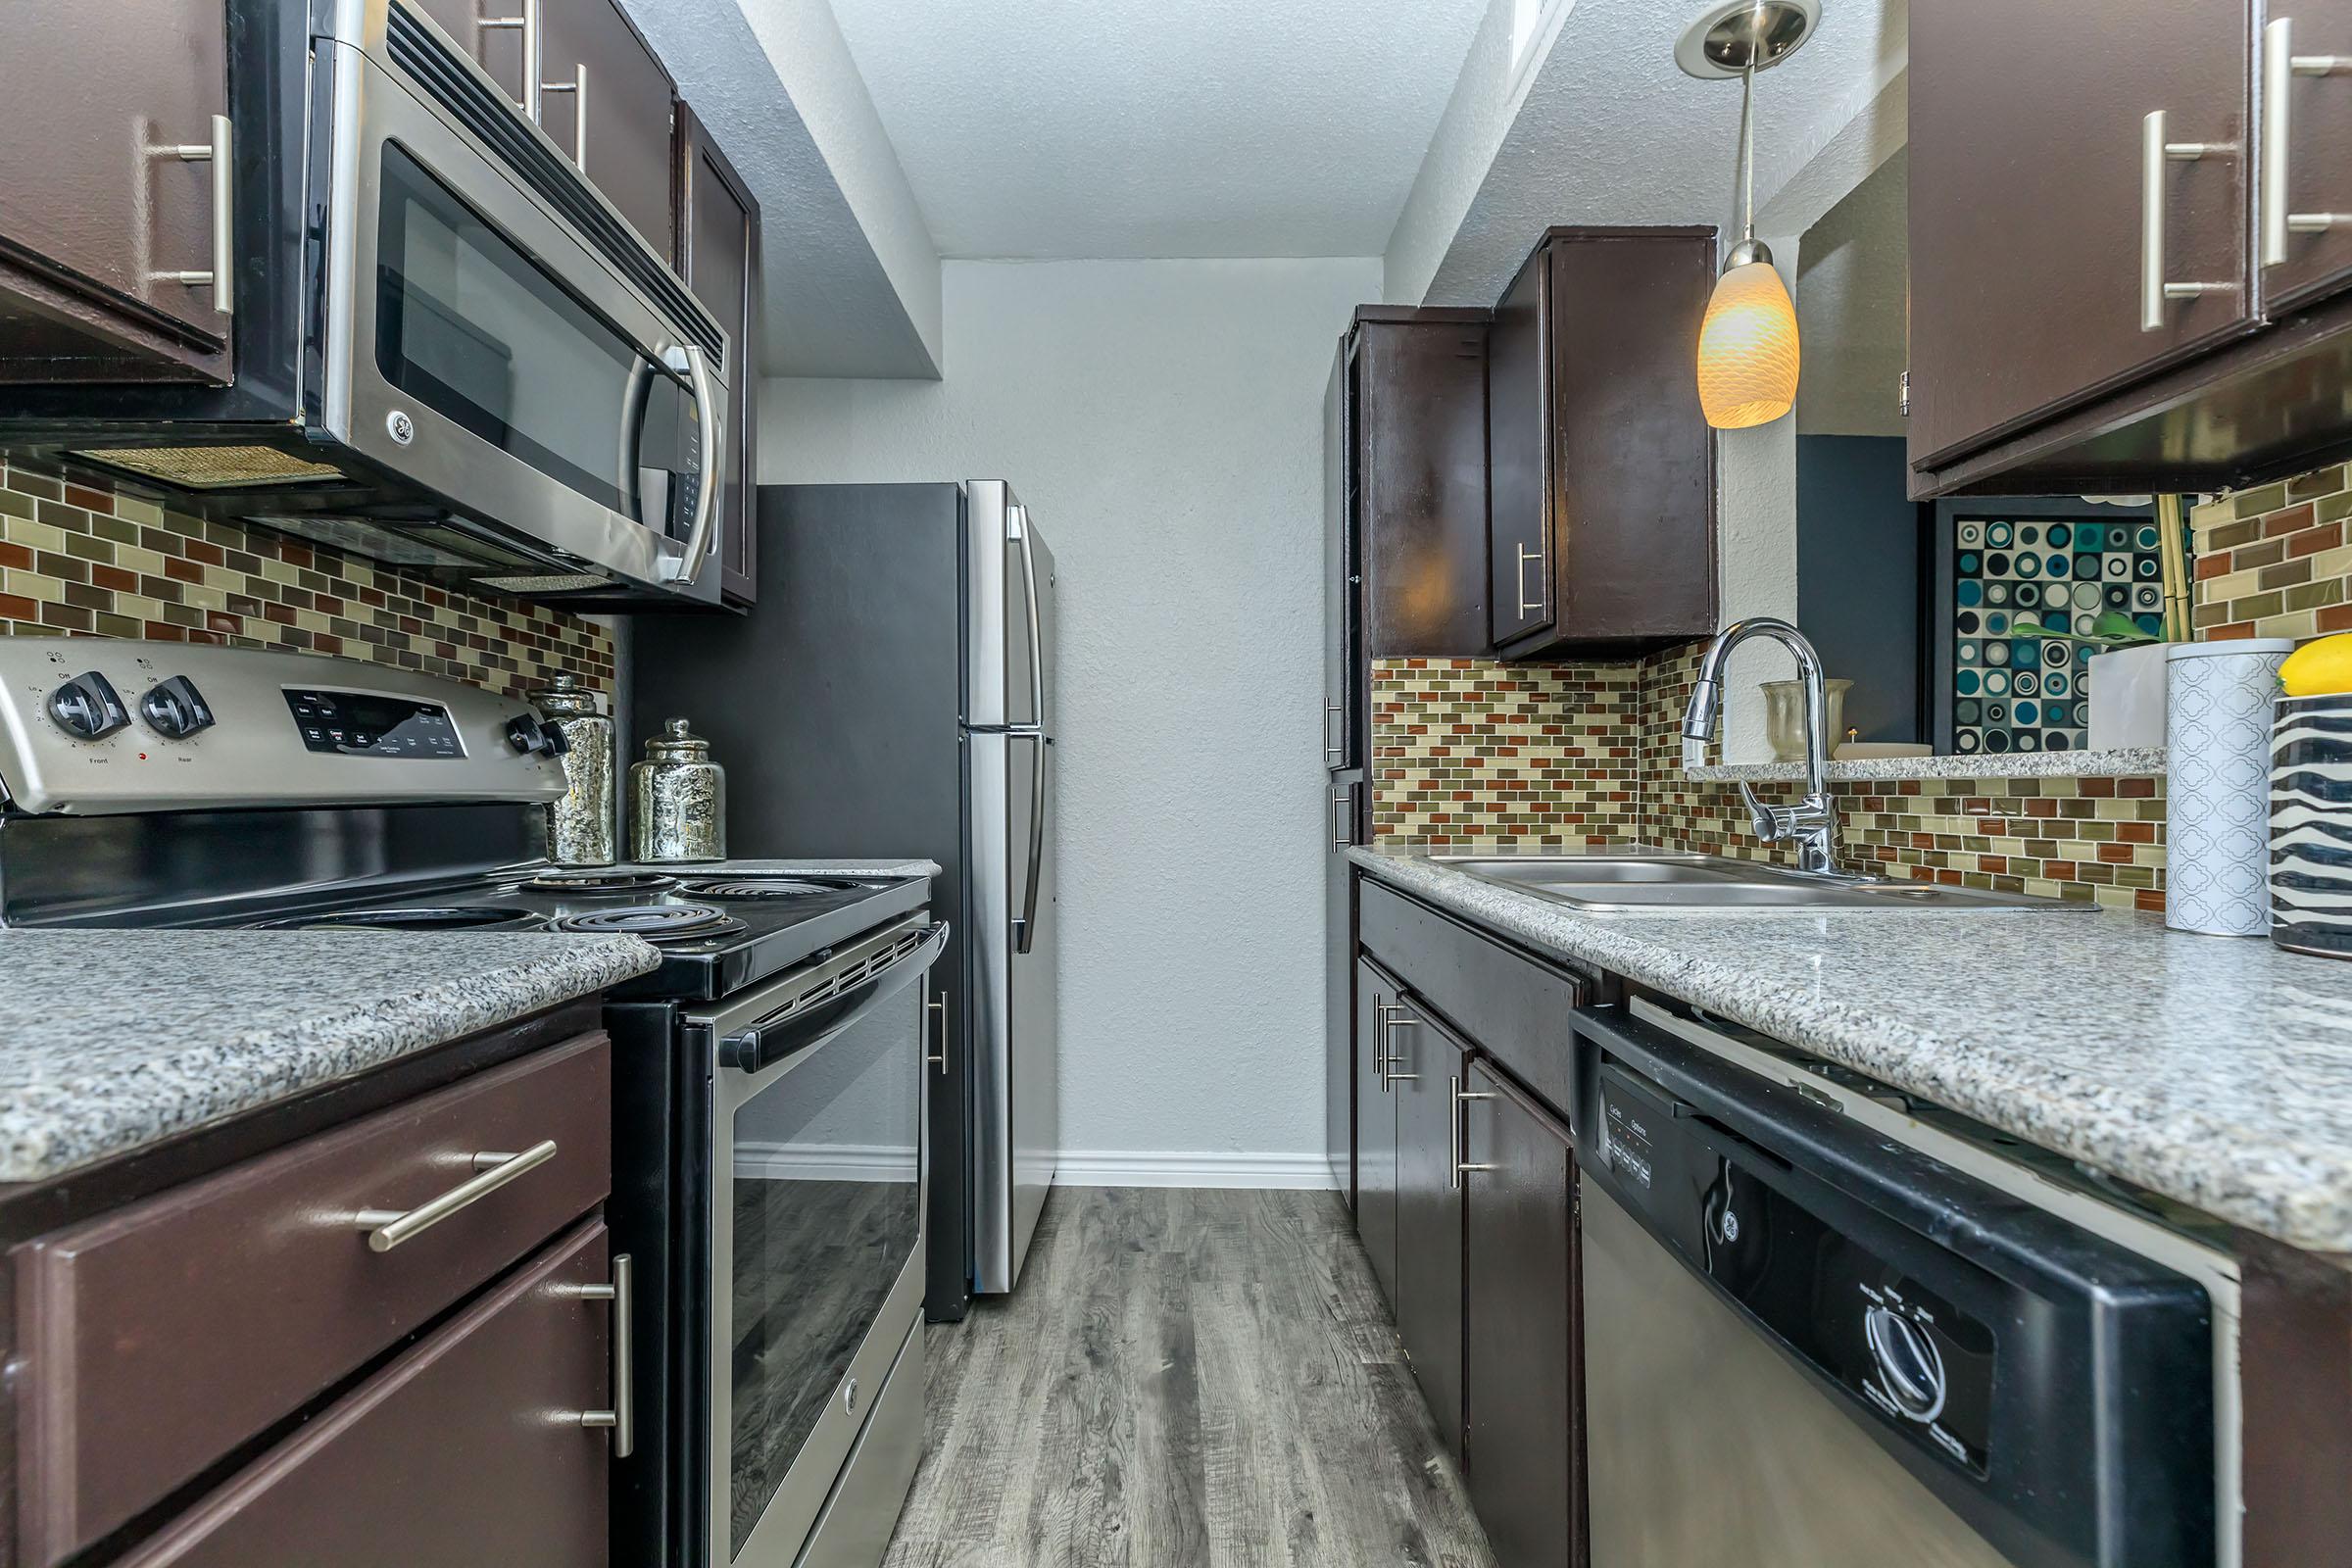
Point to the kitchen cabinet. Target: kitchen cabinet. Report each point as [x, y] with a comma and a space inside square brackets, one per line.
[467, 1449]
[1600, 465]
[610, 107]
[223, 1349]
[717, 254]
[1376, 994]
[1341, 1067]
[2028, 192]
[1522, 1365]
[2089, 314]
[1426, 1065]
[115, 234]
[600, 93]
[1404, 505]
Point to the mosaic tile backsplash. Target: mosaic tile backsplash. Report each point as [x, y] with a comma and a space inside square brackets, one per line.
[1613, 769]
[2273, 561]
[1536, 754]
[79, 560]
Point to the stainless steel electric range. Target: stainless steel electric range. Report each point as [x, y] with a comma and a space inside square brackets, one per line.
[770, 1074]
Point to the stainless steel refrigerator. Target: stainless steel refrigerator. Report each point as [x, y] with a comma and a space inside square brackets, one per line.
[891, 695]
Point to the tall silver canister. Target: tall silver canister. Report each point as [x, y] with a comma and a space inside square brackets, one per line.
[581, 828]
[2219, 703]
[677, 799]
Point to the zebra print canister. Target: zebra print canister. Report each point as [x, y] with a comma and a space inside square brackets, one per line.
[2311, 826]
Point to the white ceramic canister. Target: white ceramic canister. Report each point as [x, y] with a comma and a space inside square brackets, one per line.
[2217, 736]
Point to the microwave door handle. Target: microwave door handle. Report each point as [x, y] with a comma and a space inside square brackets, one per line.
[689, 568]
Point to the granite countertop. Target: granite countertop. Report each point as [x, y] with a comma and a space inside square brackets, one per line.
[110, 1040]
[2213, 1070]
[2137, 761]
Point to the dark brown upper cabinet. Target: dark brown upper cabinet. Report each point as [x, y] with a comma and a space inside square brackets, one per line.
[113, 230]
[602, 96]
[2032, 283]
[1404, 505]
[719, 257]
[608, 103]
[2106, 301]
[1602, 468]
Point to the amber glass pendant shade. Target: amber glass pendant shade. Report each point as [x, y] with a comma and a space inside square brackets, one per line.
[1747, 349]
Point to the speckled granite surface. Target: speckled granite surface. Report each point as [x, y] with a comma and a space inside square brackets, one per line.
[114, 1039]
[2215, 1070]
[2132, 763]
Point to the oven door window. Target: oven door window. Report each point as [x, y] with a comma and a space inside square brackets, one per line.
[826, 1215]
[469, 325]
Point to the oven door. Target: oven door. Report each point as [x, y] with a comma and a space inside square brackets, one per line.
[474, 344]
[817, 1187]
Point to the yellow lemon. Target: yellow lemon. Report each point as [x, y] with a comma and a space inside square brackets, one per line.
[2321, 668]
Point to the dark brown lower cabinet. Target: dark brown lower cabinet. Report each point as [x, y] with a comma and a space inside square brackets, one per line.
[1375, 1126]
[1425, 1075]
[1522, 1364]
[466, 1449]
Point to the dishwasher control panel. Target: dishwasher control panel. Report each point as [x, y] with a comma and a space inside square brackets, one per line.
[1841, 1304]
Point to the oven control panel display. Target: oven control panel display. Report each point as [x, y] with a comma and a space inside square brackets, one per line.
[360, 724]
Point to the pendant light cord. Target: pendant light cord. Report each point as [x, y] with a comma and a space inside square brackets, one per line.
[1748, 149]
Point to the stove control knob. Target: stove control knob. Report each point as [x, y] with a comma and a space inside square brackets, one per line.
[1910, 1367]
[525, 733]
[553, 742]
[88, 706]
[176, 709]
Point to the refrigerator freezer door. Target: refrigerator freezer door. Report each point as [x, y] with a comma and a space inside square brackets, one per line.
[1015, 1100]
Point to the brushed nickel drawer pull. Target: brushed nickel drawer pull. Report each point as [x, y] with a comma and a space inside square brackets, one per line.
[387, 1228]
[1391, 1020]
[621, 1419]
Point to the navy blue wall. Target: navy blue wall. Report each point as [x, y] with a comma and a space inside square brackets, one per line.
[1857, 577]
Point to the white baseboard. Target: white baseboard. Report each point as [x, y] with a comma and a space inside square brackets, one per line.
[1120, 1168]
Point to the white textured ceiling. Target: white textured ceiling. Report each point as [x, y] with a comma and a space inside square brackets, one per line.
[1180, 127]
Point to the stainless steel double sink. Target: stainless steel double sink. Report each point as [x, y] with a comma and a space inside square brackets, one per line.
[1658, 882]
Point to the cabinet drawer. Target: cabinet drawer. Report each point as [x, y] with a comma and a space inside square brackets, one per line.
[466, 1450]
[158, 1337]
[1511, 1006]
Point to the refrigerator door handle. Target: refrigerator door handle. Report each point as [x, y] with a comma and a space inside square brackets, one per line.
[1024, 926]
[1037, 638]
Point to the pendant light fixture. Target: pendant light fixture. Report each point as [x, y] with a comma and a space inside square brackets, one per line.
[1748, 343]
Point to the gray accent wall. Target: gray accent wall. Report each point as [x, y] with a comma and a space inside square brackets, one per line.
[1857, 577]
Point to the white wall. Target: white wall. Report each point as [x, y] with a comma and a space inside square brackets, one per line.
[1162, 420]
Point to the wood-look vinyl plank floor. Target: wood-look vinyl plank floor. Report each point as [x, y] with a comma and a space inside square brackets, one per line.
[1184, 1378]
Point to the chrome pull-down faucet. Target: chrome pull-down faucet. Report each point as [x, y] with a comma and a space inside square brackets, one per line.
[1811, 824]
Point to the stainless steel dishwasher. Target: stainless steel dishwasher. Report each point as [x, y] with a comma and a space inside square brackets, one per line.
[1809, 1344]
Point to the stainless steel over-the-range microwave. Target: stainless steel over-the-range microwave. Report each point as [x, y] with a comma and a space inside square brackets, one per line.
[451, 353]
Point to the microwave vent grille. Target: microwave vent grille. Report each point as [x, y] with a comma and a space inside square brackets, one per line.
[212, 467]
[454, 84]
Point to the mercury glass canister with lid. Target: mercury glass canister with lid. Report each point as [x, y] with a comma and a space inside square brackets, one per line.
[580, 827]
[677, 799]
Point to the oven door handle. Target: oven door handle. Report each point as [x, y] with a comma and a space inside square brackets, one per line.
[689, 568]
[800, 1024]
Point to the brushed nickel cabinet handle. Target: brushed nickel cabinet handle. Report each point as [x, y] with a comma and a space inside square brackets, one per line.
[621, 1419]
[1459, 1130]
[387, 1228]
[1543, 590]
[2156, 151]
[1391, 1020]
[1339, 835]
[1334, 751]
[938, 1005]
[2281, 65]
[220, 276]
[525, 23]
[578, 89]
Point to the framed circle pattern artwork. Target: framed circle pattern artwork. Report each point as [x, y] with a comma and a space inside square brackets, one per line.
[2013, 690]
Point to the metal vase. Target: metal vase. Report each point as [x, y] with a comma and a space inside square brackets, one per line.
[677, 800]
[580, 827]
